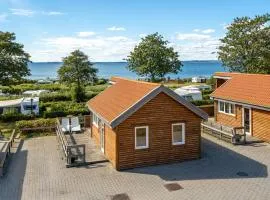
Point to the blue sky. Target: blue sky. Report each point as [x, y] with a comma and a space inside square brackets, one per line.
[108, 30]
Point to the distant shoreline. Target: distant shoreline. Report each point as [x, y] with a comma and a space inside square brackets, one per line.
[56, 62]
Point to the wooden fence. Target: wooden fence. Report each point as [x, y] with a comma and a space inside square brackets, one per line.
[5, 149]
[235, 135]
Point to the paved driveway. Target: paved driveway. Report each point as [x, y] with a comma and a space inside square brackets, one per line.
[37, 172]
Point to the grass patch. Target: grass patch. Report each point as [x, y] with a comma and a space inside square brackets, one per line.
[7, 128]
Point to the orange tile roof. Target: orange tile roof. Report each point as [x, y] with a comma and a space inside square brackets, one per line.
[119, 97]
[251, 89]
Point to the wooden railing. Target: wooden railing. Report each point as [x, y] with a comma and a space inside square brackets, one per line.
[235, 135]
[6, 152]
[74, 153]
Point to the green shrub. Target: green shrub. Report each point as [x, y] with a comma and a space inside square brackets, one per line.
[96, 88]
[102, 81]
[59, 96]
[63, 108]
[78, 94]
[202, 102]
[11, 117]
[35, 123]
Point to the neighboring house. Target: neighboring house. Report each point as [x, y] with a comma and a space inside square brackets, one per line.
[23, 105]
[140, 123]
[243, 100]
[199, 79]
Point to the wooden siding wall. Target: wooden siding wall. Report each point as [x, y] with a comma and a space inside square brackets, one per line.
[229, 120]
[261, 124]
[158, 114]
[109, 143]
[95, 135]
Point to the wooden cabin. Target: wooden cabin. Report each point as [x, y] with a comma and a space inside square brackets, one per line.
[243, 100]
[139, 123]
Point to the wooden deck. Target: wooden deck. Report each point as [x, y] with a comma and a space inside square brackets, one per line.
[92, 153]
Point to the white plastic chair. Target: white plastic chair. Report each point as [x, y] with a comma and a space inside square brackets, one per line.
[65, 125]
[75, 125]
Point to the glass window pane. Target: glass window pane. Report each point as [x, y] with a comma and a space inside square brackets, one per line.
[141, 137]
[221, 106]
[232, 108]
[227, 108]
[177, 133]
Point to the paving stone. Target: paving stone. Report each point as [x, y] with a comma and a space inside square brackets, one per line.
[37, 171]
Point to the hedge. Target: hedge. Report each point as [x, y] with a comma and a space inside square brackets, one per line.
[63, 108]
[38, 123]
[12, 117]
[61, 96]
[202, 102]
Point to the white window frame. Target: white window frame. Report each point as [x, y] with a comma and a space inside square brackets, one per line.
[147, 137]
[183, 133]
[95, 120]
[224, 107]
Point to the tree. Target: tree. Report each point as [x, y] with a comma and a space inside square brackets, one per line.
[13, 60]
[246, 46]
[153, 58]
[77, 70]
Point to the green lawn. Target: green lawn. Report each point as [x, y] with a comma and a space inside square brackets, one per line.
[6, 128]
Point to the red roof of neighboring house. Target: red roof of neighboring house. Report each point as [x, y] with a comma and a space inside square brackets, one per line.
[251, 89]
[125, 96]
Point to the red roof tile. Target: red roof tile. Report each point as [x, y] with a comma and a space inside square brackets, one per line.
[251, 89]
[120, 97]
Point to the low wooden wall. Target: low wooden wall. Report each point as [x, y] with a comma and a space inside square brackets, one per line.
[209, 109]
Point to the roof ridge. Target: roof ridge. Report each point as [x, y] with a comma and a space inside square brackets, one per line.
[137, 81]
[239, 73]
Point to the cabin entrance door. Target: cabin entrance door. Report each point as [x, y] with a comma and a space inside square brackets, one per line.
[246, 121]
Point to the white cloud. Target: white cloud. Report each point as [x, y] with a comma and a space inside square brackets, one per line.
[28, 13]
[206, 31]
[3, 17]
[192, 36]
[99, 48]
[22, 12]
[196, 30]
[52, 13]
[86, 33]
[142, 35]
[114, 28]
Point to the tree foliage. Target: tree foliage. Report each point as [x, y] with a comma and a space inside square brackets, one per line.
[77, 70]
[13, 60]
[153, 58]
[246, 46]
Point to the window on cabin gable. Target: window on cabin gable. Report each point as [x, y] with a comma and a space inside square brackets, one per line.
[141, 137]
[178, 133]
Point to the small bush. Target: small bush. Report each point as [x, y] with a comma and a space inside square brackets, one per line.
[35, 123]
[202, 102]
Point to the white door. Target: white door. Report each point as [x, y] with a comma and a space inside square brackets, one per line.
[246, 121]
[102, 134]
